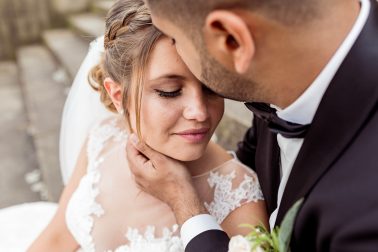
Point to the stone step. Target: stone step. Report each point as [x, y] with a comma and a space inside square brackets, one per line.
[102, 6]
[44, 97]
[238, 112]
[235, 122]
[68, 48]
[17, 153]
[65, 7]
[88, 25]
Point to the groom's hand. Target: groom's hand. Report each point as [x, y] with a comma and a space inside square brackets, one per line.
[164, 178]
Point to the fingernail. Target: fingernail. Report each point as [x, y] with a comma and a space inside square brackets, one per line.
[134, 139]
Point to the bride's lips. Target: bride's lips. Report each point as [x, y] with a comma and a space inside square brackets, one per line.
[194, 135]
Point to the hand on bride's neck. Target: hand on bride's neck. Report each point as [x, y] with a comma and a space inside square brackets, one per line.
[213, 156]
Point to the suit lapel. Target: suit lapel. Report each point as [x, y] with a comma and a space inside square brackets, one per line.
[267, 165]
[346, 105]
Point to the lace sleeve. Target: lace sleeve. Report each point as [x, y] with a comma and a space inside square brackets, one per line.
[231, 185]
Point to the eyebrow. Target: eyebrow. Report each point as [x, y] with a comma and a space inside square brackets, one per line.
[169, 77]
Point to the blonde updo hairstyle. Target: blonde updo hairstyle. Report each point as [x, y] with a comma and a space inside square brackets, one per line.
[129, 39]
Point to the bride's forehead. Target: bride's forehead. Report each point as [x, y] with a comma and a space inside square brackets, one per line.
[164, 60]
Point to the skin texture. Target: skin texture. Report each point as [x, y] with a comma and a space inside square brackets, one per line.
[161, 119]
[173, 101]
[246, 56]
[164, 118]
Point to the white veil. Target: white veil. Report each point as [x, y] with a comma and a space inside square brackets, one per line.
[82, 110]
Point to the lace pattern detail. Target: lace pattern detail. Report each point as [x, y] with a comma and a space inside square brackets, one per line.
[80, 220]
[83, 209]
[138, 242]
[227, 199]
[98, 137]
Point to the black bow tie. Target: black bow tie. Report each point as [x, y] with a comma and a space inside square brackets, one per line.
[276, 124]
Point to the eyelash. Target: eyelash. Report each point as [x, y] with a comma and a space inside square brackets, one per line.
[172, 94]
[176, 93]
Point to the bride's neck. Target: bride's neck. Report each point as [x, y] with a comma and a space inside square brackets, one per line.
[213, 157]
[199, 166]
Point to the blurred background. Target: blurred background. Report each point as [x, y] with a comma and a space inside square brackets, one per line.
[42, 44]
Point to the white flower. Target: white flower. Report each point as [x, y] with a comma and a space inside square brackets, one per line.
[258, 249]
[240, 244]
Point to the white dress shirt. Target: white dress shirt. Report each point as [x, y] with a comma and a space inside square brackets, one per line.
[301, 111]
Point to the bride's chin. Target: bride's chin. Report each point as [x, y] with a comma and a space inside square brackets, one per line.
[186, 156]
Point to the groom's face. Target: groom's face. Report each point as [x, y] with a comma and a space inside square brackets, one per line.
[205, 67]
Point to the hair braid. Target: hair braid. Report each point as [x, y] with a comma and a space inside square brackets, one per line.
[128, 42]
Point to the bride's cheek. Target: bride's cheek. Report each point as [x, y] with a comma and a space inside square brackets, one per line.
[217, 109]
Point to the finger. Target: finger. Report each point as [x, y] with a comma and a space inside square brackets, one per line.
[147, 151]
[140, 185]
[136, 160]
[133, 154]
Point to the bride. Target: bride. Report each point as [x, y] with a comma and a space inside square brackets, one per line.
[152, 93]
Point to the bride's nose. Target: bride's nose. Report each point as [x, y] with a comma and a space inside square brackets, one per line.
[196, 107]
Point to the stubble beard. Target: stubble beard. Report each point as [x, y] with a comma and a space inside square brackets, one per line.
[227, 84]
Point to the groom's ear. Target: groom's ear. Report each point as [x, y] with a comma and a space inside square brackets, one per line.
[229, 40]
[115, 92]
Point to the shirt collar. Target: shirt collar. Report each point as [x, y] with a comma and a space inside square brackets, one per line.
[302, 110]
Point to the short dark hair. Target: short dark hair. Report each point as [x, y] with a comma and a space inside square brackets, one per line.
[192, 13]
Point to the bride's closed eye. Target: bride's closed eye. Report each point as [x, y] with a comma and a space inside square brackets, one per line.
[168, 94]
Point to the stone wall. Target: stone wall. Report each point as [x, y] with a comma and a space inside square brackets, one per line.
[70, 6]
[21, 22]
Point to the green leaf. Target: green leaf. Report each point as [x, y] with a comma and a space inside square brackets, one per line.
[275, 239]
[287, 224]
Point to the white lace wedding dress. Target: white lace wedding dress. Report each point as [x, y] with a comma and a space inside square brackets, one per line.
[107, 212]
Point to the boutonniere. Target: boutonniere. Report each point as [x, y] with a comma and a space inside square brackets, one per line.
[261, 240]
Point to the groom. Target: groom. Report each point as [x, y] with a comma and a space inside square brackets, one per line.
[315, 62]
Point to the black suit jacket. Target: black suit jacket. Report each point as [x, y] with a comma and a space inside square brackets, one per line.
[336, 170]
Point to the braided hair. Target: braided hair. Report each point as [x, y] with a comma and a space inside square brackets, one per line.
[128, 41]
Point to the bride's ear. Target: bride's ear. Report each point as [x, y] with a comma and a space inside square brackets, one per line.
[115, 93]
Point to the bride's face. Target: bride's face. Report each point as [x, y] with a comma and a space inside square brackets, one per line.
[178, 113]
